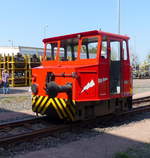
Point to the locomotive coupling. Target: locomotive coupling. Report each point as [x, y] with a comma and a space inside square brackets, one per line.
[52, 89]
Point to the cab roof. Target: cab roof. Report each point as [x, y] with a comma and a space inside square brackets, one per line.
[82, 34]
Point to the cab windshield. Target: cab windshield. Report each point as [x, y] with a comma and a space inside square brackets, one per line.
[72, 49]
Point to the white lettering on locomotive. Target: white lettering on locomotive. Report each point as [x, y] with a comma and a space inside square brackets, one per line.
[100, 80]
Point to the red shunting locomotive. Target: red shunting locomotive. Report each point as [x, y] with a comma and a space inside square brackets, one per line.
[82, 76]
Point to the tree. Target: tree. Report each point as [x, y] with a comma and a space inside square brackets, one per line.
[148, 58]
[134, 61]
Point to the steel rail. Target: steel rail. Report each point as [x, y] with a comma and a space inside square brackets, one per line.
[32, 135]
[141, 100]
[17, 123]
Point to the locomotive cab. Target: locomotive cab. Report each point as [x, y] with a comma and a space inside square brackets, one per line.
[82, 76]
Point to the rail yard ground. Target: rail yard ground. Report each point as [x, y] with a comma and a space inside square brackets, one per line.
[141, 85]
[123, 139]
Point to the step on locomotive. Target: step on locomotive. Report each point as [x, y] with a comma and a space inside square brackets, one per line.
[82, 76]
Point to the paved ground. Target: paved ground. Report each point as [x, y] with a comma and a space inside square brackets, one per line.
[21, 91]
[141, 85]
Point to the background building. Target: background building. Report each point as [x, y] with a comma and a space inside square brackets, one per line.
[20, 49]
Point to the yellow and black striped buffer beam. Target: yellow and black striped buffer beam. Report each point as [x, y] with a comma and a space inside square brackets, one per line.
[65, 109]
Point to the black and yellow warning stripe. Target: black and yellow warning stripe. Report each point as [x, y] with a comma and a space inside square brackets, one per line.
[64, 108]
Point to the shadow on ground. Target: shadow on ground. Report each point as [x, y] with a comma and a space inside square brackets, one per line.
[89, 142]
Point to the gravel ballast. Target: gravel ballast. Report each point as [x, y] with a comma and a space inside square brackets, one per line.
[15, 103]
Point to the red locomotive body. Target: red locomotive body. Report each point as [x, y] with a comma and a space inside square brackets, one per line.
[82, 76]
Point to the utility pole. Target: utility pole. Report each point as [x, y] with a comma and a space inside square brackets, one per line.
[119, 16]
[11, 41]
[45, 29]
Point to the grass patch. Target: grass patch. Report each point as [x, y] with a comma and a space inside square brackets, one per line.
[121, 155]
[142, 151]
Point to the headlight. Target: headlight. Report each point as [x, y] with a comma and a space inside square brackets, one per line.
[34, 88]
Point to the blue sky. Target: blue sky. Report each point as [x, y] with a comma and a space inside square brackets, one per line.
[26, 21]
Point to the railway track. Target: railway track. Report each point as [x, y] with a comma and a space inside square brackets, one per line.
[141, 100]
[26, 130]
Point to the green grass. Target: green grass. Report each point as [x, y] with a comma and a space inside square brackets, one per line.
[142, 151]
[122, 155]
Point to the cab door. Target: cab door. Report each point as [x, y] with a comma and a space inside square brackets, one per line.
[115, 73]
[126, 68]
[103, 79]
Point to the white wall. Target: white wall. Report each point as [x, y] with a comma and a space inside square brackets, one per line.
[9, 50]
[31, 50]
[20, 49]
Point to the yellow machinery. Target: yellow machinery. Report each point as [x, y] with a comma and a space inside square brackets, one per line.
[19, 68]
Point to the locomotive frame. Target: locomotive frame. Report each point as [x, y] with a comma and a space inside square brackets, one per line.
[86, 75]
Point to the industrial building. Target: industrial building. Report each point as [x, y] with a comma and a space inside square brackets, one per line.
[7, 50]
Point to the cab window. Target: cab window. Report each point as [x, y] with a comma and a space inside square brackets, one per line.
[51, 51]
[104, 50]
[68, 49]
[89, 48]
[115, 50]
[125, 55]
